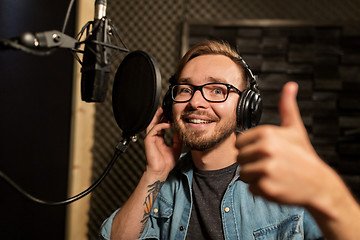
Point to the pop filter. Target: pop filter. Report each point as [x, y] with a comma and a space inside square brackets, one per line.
[136, 92]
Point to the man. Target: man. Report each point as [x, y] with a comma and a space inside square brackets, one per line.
[205, 193]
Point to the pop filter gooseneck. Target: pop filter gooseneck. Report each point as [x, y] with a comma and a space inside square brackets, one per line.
[136, 92]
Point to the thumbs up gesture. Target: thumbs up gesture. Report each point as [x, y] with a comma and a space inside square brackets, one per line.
[279, 162]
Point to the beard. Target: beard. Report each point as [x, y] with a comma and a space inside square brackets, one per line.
[197, 139]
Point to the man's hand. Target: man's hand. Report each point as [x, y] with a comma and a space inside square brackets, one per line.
[280, 164]
[131, 219]
[161, 158]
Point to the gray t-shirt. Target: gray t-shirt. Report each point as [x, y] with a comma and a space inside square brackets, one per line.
[208, 190]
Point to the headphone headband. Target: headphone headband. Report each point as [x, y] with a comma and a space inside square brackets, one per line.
[253, 78]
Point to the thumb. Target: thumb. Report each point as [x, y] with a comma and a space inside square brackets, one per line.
[288, 108]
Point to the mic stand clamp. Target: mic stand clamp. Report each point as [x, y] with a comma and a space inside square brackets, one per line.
[54, 38]
[123, 145]
[42, 43]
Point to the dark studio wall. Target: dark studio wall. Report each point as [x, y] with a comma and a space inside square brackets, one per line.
[35, 109]
[157, 27]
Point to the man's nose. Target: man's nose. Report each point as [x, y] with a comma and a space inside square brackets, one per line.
[198, 100]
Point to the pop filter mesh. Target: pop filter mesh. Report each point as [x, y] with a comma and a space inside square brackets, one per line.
[136, 92]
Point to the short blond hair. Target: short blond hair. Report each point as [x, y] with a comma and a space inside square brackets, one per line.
[209, 47]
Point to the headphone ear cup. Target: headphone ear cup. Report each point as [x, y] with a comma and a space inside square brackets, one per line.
[249, 110]
[256, 109]
[167, 106]
[241, 112]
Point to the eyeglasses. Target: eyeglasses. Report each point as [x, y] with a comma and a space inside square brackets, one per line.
[211, 92]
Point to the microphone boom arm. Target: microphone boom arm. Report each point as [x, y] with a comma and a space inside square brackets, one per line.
[43, 43]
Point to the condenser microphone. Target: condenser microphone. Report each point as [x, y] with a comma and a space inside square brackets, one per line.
[96, 59]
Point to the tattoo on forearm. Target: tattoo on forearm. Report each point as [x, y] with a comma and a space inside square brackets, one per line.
[153, 190]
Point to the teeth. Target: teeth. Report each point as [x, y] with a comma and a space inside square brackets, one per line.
[198, 121]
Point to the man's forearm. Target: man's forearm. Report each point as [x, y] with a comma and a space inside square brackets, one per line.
[131, 220]
[338, 215]
[153, 190]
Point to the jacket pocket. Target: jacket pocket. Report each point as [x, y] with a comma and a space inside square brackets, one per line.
[158, 226]
[290, 228]
[162, 208]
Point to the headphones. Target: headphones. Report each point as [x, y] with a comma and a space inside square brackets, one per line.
[249, 107]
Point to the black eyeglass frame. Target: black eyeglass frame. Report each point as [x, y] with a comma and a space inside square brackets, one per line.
[200, 88]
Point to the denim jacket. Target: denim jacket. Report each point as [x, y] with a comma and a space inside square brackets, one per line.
[243, 215]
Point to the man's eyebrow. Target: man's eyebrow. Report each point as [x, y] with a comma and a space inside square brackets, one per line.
[217, 80]
[209, 79]
[183, 80]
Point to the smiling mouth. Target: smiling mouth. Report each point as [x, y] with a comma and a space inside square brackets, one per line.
[197, 121]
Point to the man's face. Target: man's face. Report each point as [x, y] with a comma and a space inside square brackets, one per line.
[202, 124]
